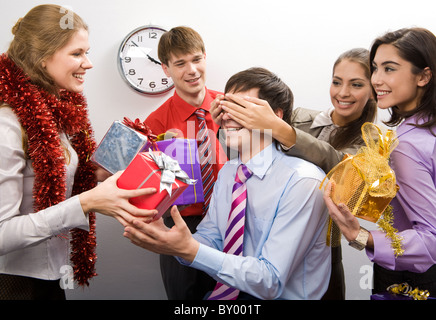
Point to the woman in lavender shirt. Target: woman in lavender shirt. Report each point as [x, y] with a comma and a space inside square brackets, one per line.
[403, 66]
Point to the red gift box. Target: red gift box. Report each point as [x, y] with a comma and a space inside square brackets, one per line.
[143, 172]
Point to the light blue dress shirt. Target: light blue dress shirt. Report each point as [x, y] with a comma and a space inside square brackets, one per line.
[285, 253]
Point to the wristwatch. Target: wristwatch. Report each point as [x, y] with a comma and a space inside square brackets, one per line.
[362, 238]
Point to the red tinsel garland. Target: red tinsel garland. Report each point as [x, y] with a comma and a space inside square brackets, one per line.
[44, 116]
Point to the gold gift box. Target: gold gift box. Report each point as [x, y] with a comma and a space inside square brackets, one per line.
[365, 182]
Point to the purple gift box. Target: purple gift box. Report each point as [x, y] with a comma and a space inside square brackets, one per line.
[185, 151]
[389, 296]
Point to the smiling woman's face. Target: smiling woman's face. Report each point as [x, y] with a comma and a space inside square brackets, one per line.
[68, 66]
[394, 81]
[350, 90]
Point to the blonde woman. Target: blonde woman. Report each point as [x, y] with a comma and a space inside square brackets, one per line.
[47, 183]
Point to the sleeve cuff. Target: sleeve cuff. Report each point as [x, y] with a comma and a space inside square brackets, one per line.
[207, 259]
[285, 148]
[382, 253]
[66, 216]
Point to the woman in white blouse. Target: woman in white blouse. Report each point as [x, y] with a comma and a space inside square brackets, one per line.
[48, 186]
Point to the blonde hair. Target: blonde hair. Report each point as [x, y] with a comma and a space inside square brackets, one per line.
[38, 35]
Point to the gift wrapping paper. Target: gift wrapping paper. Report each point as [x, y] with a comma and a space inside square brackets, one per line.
[143, 172]
[118, 147]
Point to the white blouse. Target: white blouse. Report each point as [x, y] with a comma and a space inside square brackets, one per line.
[34, 244]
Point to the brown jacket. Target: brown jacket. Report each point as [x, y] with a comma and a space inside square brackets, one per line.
[310, 148]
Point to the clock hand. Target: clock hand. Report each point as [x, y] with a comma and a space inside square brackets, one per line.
[148, 56]
[153, 60]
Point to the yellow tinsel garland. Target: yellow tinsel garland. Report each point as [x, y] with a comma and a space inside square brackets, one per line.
[385, 223]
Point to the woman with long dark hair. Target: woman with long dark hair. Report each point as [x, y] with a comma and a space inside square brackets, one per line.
[403, 65]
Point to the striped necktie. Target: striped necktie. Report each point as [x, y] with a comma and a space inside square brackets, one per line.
[205, 151]
[233, 241]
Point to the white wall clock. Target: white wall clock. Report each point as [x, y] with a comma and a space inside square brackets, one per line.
[138, 62]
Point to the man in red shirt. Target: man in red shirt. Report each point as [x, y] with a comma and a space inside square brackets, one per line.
[182, 54]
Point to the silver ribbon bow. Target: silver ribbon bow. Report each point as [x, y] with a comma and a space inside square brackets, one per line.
[170, 170]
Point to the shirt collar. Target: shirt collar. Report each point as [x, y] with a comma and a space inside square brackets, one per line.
[262, 161]
[323, 119]
[409, 124]
[185, 110]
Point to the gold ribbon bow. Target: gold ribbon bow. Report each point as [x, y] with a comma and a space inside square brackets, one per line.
[406, 290]
[372, 161]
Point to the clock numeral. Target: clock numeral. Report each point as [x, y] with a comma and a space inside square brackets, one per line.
[152, 84]
[127, 59]
[139, 38]
[140, 81]
[152, 35]
[132, 72]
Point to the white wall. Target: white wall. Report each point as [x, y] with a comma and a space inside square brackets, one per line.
[298, 40]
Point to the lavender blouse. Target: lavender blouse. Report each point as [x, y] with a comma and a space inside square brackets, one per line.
[414, 163]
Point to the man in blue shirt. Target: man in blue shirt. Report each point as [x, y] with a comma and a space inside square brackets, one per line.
[285, 255]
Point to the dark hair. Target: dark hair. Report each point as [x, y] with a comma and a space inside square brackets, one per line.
[179, 40]
[271, 88]
[350, 134]
[417, 46]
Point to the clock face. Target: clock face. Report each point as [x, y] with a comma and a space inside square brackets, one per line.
[138, 62]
